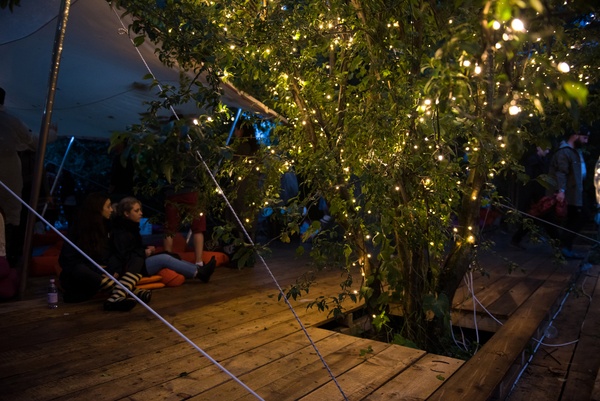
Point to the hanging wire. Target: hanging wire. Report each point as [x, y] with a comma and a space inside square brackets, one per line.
[222, 193]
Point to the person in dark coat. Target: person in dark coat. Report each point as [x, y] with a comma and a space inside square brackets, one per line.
[568, 169]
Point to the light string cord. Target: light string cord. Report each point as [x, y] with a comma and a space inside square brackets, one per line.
[514, 209]
[222, 193]
[474, 310]
[129, 292]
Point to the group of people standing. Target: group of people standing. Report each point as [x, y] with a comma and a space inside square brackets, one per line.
[566, 168]
[112, 239]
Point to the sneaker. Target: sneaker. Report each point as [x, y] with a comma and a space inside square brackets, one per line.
[569, 254]
[585, 267]
[121, 305]
[205, 271]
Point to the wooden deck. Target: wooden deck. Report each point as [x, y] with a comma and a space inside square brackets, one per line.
[521, 303]
[79, 352]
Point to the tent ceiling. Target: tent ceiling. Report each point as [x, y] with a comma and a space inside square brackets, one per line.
[100, 86]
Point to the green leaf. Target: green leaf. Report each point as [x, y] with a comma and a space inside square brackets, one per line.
[577, 91]
[537, 5]
[503, 10]
[167, 170]
[138, 40]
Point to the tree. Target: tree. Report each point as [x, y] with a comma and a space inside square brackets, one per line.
[400, 114]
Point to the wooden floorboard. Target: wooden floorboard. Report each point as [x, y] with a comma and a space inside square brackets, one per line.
[80, 352]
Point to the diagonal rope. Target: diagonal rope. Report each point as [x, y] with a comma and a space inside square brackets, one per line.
[550, 223]
[222, 193]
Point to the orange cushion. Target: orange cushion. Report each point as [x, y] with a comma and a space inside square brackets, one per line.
[171, 278]
[147, 280]
[150, 286]
[220, 257]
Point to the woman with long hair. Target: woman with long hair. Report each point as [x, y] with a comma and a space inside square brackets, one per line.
[80, 279]
[129, 251]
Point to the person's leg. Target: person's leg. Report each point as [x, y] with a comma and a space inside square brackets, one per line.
[171, 222]
[157, 262]
[198, 226]
[168, 243]
[80, 283]
[573, 225]
[198, 240]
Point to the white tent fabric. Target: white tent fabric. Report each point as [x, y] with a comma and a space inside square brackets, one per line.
[100, 84]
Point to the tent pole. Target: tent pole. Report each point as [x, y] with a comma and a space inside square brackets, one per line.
[59, 38]
[60, 168]
[237, 117]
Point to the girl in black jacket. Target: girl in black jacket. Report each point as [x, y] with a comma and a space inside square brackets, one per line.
[129, 252]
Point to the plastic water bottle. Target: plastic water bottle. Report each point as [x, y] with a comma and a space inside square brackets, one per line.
[52, 295]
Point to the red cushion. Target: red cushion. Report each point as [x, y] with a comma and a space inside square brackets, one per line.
[171, 278]
[43, 266]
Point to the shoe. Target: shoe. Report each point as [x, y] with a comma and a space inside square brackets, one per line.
[205, 271]
[121, 305]
[144, 295]
[585, 267]
[569, 254]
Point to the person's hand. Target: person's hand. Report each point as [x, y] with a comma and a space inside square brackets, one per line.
[150, 250]
[560, 196]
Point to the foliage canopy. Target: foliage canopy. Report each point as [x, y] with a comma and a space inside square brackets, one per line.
[400, 115]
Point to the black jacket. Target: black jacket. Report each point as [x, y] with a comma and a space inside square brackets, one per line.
[128, 252]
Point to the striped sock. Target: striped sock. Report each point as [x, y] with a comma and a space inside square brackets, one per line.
[129, 280]
[144, 295]
[106, 284]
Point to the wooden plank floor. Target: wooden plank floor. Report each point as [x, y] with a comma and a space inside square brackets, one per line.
[79, 352]
[501, 289]
[523, 302]
[566, 366]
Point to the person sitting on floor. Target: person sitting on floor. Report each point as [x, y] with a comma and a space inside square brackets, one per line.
[129, 250]
[80, 279]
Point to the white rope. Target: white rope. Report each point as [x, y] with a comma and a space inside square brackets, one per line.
[512, 208]
[222, 193]
[116, 281]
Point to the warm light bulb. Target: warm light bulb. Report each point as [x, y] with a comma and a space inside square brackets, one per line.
[517, 25]
[563, 67]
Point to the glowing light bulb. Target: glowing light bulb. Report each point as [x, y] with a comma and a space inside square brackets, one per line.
[517, 25]
[514, 110]
[563, 67]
